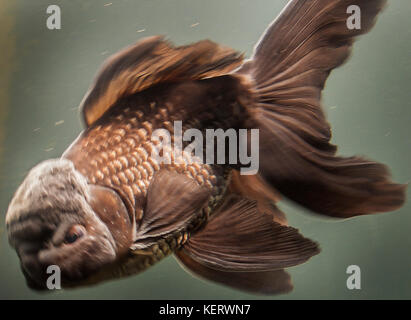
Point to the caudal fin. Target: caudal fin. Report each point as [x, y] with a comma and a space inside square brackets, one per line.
[286, 74]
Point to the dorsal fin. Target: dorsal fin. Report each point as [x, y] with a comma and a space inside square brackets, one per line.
[149, 62]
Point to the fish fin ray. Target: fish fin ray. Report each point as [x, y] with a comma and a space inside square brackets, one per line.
[287, 74]
[263, 282]
[151, 61]
[240, 238]
[255, 188]
[172, 200]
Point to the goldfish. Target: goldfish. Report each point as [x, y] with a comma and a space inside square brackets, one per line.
[109, 208]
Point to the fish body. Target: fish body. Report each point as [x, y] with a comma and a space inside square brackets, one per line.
[109, 208]
[117, 152]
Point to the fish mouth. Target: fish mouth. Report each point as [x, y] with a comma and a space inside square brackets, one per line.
[33, 284]
[34, 272]
[27, 236]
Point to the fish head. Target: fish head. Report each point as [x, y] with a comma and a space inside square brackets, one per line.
[57, 219]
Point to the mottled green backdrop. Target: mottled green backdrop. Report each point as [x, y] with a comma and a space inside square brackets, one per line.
[44, 74]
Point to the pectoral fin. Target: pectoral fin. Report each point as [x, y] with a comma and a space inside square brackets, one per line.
[241, 238]
[172, 200]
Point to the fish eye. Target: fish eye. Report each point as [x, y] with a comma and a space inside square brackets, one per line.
[74, 233]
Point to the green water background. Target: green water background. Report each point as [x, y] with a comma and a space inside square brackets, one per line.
[44, 75]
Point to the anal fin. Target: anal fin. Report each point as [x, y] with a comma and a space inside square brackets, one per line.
[253, 187]
[264, 282]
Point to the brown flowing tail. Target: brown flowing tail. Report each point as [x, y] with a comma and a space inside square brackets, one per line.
[287, 73]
